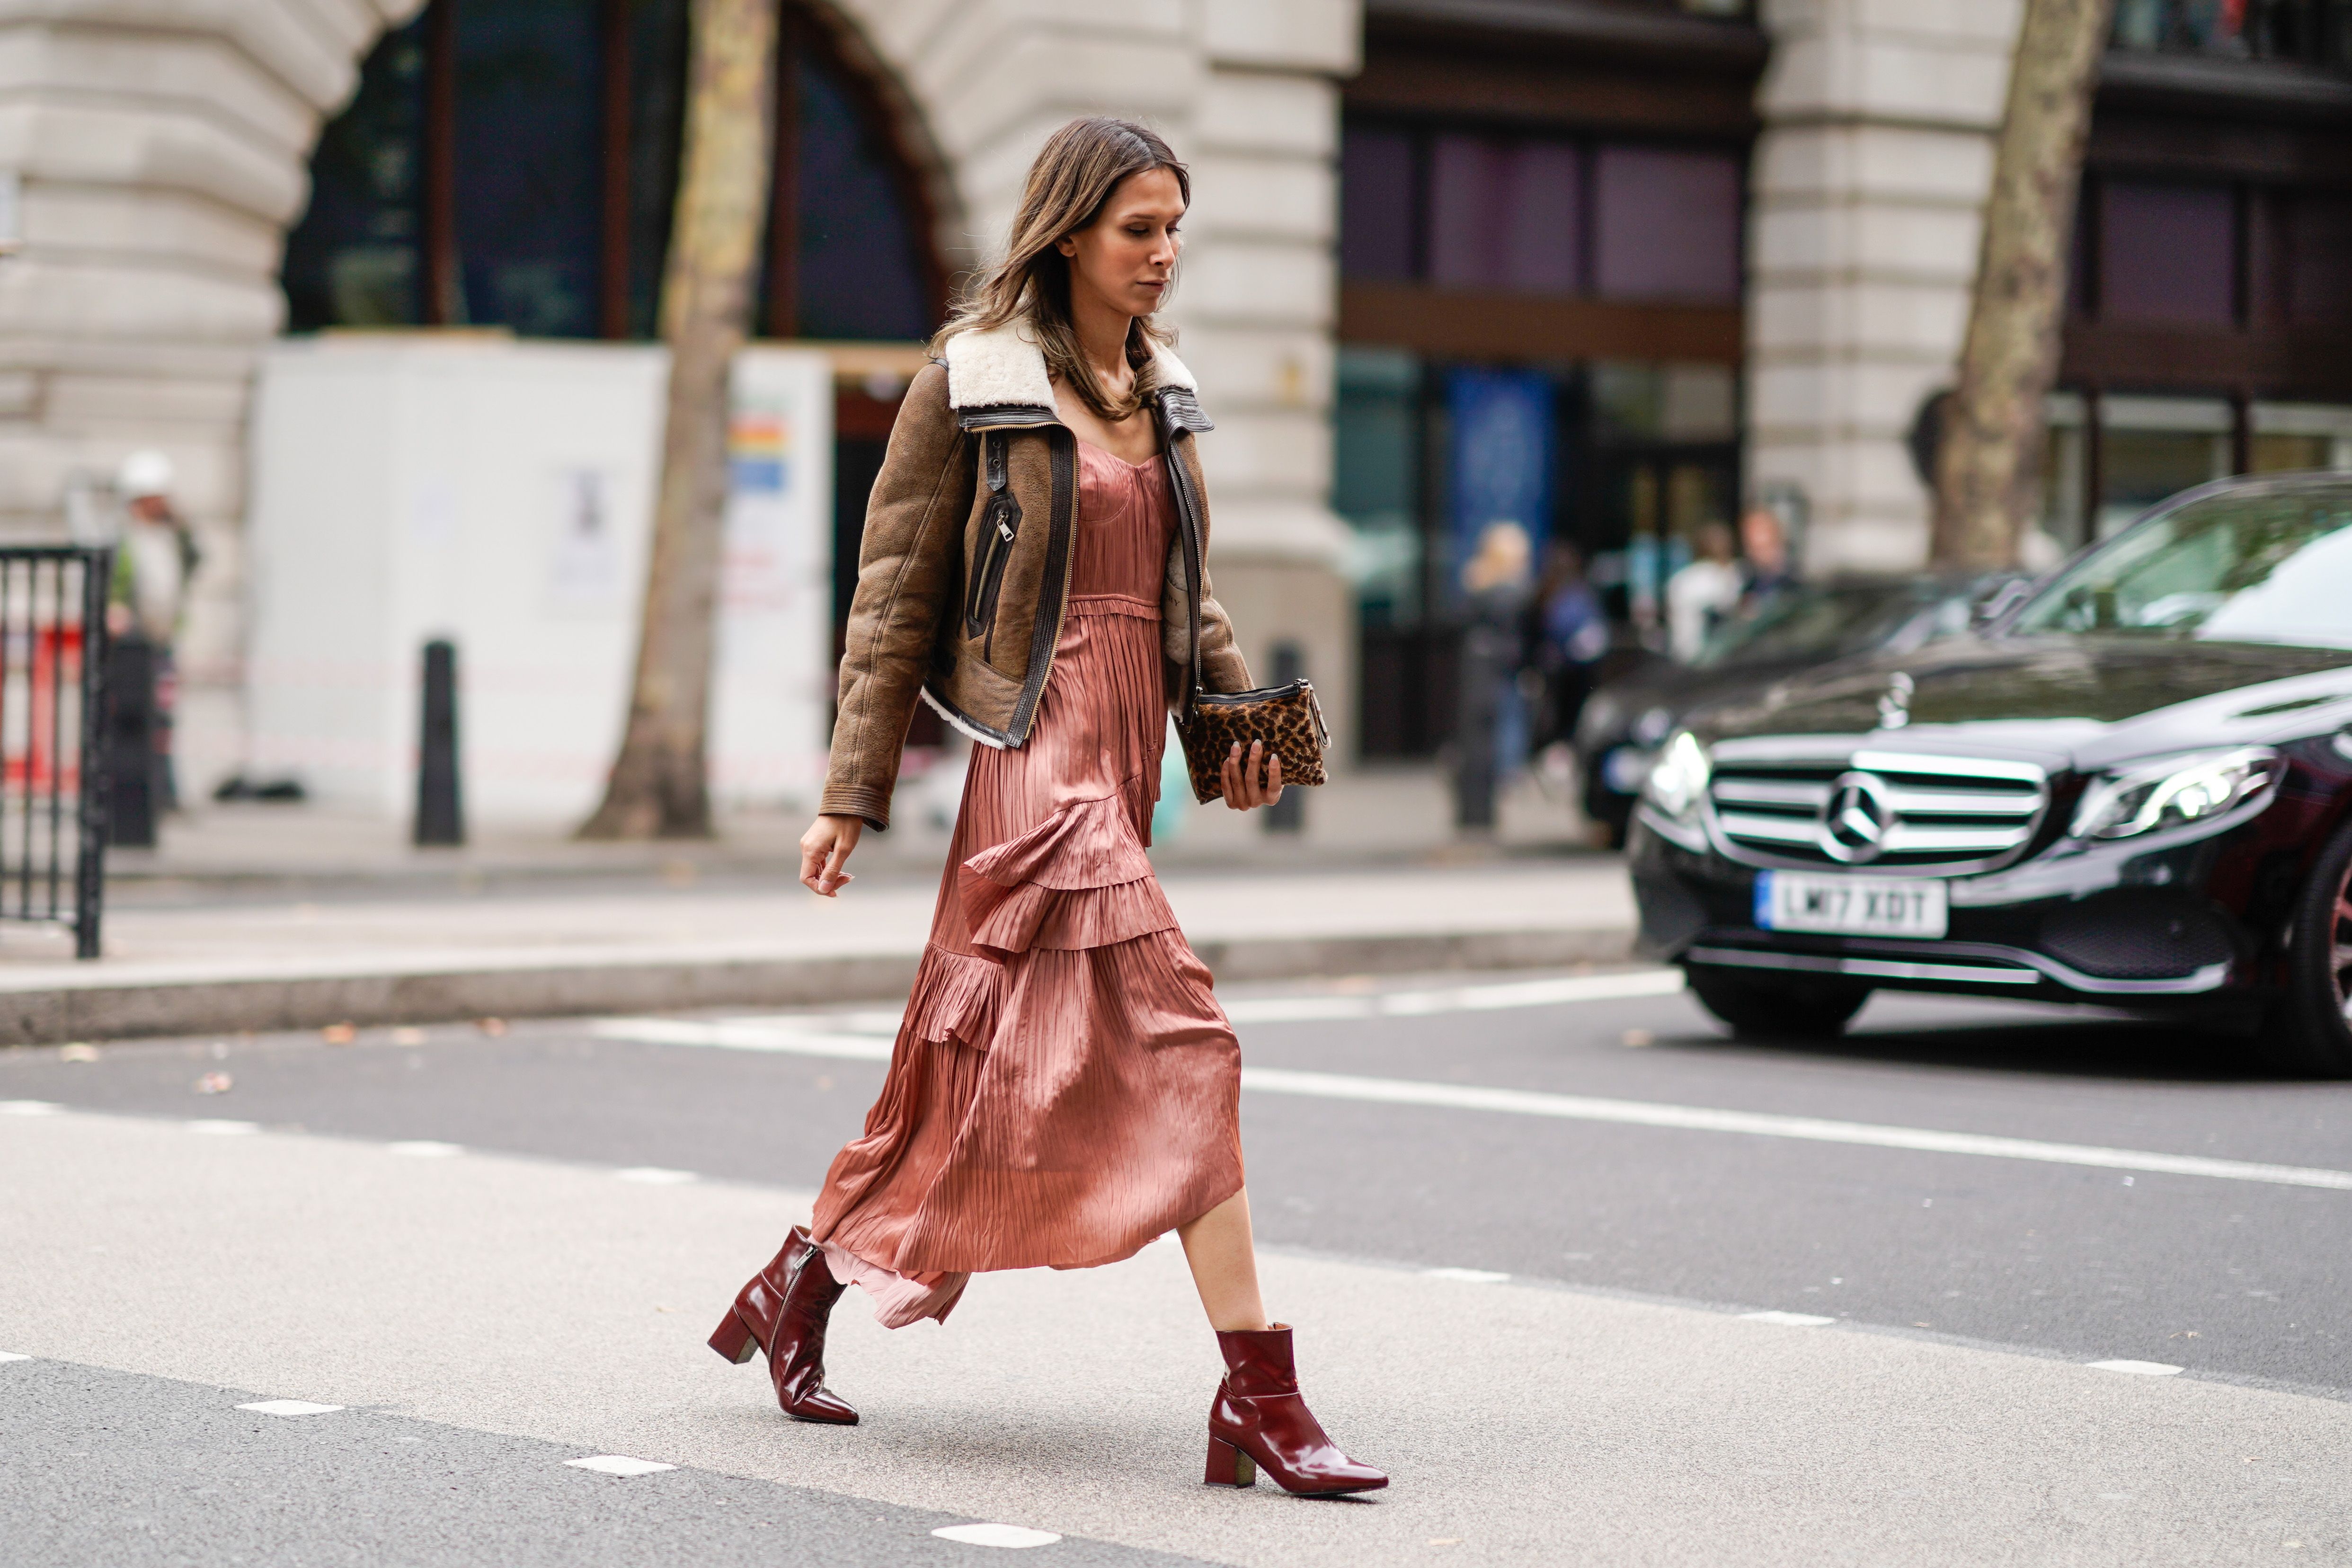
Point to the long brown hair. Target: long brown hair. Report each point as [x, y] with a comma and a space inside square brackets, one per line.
[1074, 176]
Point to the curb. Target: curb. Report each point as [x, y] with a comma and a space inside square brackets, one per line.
[105, 1008]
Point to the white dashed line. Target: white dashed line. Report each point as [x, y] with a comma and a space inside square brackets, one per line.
[1788, 1319]
[12, 1355]
[223, 1129]
[997, 1535]
[1468, 1276]
[657, 1176]
[289, 1407]
[618, 1465]
[2138, 1368]
[27, 1108]
[426, 1149]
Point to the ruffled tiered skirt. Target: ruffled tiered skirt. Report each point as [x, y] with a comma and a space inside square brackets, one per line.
[1065, 1087]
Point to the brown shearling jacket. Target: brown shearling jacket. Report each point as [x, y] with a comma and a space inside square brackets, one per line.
[964, 570]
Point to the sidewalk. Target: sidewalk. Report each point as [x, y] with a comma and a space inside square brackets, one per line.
[261, 918]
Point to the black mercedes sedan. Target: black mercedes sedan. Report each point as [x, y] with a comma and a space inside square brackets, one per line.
[2134, 788]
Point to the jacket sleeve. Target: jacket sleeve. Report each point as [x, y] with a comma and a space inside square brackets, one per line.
[1222, 668]
[906, 569]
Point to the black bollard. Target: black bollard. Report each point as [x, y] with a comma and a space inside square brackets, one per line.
[131, 771]
[440, 814]
[1288, 815]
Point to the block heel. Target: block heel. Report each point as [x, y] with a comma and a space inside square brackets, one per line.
[734, 1339]
[1229, 1467]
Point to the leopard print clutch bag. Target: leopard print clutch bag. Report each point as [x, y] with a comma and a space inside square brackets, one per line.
[1288, 718]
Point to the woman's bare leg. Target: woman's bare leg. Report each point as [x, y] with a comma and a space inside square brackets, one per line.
[1224, 1266]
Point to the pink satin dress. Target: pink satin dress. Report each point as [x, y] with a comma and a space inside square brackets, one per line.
[1065, 1087]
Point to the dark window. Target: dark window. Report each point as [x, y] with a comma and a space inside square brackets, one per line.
[354, 259]
[1376, 205]
[859, 275]
[1667, 224]
[2319, 251]
[529, 188]
[658, 54]
[1503, 213]
[2168, 253]
[1543, 215]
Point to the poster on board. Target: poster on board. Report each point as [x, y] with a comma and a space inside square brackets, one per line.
[771, 705]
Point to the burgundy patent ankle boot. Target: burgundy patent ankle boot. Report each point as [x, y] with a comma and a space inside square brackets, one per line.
[784, 1311]
[1259, 1419]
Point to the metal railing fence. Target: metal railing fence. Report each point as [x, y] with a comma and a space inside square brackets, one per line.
[53, 647]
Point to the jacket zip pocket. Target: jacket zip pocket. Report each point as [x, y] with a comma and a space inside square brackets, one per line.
[1002, 517]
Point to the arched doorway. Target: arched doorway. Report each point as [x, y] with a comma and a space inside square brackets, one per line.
[514, 164]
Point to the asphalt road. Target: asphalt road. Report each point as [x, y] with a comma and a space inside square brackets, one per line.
[2238, 1281]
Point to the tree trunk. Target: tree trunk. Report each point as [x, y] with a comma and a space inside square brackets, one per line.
[1986, 489]
[659, 784]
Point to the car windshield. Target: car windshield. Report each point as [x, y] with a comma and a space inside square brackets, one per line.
[1816, 622]
[2255, 567]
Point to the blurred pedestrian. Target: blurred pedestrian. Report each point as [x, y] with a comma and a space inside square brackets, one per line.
[1764, 540]
[1064, 1089]
[155, 563]
[1568, 636]
[1495, 589]
[1701, 594]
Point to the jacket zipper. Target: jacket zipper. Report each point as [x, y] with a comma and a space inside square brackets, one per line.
[1004, 517]
[991, 578]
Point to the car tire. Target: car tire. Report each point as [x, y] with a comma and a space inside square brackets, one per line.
[1777, 1008]
[2314, 1034]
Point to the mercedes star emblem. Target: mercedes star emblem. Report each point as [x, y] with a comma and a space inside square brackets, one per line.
[1855, 821]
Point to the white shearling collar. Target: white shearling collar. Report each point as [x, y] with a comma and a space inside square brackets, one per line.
[1003, 366]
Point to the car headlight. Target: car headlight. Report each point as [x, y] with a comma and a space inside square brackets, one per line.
[1677, 780]
[2172, 792]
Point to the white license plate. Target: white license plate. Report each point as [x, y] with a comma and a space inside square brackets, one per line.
[1853, 906]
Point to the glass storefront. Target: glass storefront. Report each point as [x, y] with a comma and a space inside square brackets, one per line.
[1626, 461]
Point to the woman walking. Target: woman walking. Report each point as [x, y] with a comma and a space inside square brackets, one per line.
[1065, 1087]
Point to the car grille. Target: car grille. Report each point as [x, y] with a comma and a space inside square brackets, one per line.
[1882, 810]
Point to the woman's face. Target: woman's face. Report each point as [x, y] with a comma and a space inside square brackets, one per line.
[1127, 257]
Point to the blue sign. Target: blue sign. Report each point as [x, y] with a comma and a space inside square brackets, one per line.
[1501, 461]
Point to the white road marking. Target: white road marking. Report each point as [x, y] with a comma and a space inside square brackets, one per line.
[751, 1035]
[12, 1355]
[657, 1176]
[853, 1034]
[1703, 1119]
[289, 1407]
[1468, 1276]
[997, 1535]
[219, 1129]
[2138, 1368]
[618, 1465]
[27, 1108]
[1789, 1320]
[743, 1036]
[426, 1149]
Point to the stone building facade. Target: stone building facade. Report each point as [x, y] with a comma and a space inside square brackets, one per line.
[165, 149]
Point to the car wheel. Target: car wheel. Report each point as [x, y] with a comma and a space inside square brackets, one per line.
[1777, 1008]
[2318, 1013]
